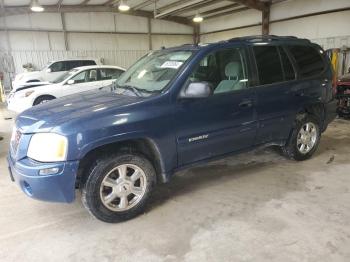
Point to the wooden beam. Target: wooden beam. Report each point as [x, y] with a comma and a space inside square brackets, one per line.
[63, 20]
[85, 2]
[265, 24]
[227, 12]
[196, 34]
[225, 8]
[149, 28]
[143, 4]
[197, 6]
[109, 2]
[253, 4]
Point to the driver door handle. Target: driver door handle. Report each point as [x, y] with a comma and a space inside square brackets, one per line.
[246, 103]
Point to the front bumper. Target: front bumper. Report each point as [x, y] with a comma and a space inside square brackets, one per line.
[18, 105]
[59, 187]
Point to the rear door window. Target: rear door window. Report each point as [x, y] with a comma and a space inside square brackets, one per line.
[109, 73]
[87, 62]
[288, 70]
[269, 64]
[72, 64]
[58, 67]
[308, 59]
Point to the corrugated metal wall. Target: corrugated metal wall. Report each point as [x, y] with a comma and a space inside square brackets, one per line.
[12, 62]
[122, 58]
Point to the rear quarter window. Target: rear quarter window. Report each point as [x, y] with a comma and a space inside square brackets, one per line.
[308, 60]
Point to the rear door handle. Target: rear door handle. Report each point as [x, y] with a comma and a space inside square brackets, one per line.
[246, 103]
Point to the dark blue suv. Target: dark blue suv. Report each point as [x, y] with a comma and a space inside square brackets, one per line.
[173, 108]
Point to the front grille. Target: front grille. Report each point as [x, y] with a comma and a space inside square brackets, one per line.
[15, 139]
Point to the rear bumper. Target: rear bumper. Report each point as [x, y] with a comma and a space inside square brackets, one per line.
[59, 187]
[330, 113]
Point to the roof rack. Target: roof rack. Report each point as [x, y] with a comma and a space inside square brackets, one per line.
[258, 38]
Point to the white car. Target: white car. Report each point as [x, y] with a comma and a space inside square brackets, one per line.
[51, 71]
[77, 80]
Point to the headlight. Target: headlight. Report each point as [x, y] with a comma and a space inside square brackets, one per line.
[26, 94]
[48, 147]
[22, 94]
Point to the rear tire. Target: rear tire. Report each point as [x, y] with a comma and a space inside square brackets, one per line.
[304, 139]
[117, 187]
[42, 100]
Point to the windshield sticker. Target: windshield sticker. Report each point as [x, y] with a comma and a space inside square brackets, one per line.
[171, 64]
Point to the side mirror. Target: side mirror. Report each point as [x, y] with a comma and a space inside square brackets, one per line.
[70, 82]
[197, 90]
[48, 70]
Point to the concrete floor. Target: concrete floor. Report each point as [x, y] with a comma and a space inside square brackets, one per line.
[253, 207]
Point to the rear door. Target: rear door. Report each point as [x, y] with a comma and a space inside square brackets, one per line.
[275, 104]
[315, 81]
[223, 123]
[83, 81]
[56, 69]
[108, 75]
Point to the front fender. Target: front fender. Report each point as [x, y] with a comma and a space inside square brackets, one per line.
[103, 141]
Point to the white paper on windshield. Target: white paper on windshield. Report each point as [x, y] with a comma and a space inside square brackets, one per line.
[171, 64]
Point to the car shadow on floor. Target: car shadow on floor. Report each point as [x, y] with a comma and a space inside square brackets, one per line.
[216, 174]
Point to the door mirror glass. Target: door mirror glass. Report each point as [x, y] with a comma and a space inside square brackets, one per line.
[70, 82]
[197, 90]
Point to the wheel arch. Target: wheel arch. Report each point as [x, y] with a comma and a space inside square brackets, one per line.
[317, 110]
[144, 146]
[42, 95]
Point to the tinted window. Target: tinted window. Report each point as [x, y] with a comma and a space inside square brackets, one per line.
[269, 64]
[72, 64]
[308, 59]
[87, 62]
[57, 67]
[109, 73]
[224, 70]
[288, 70]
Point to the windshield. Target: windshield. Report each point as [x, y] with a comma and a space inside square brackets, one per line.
[65, 76]
[154, 71]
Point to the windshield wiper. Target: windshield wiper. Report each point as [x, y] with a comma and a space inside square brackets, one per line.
[133, 89]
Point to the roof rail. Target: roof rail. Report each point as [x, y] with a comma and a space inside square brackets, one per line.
[256, 38]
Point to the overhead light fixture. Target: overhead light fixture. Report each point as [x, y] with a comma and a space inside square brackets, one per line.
[198, 18]
[36, 7]
[123, 7]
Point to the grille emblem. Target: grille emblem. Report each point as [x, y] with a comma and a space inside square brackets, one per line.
[16, 139]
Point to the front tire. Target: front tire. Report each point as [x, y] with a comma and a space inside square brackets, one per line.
[118, 187]
[304, 139]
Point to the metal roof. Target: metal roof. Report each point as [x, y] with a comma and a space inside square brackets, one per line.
[176, 10]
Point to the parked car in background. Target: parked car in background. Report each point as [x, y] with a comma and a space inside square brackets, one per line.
[343, 95]
[172, 109]
[77, 80]
[51, 71]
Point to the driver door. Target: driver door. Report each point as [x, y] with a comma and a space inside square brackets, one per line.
[224, 122]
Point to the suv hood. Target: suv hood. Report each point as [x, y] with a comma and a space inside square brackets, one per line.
[74, 108]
